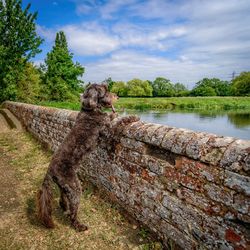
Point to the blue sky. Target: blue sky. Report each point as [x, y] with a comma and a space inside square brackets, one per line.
[182, 40]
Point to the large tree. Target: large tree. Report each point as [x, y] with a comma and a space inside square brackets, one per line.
[28, 86]
[241, 84]
[18, 43]
[61, 77]
[180, 89]
[120, 88]
[162, 87]
[137, 87]
[211, 87]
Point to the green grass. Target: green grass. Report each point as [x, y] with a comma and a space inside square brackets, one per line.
[23, 165]
[218, 103]
[215, 103]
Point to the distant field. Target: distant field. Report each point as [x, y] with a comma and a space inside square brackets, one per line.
[215, 103]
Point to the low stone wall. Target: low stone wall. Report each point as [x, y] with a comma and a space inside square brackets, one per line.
[192, 188]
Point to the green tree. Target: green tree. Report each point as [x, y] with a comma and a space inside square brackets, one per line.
[29, 84]
[180, 89]
[61, 73]
[19, 42]
[203, 91]
[109, 82]
[120, 88]
[162, 87]
[241, 84]
[137, 87]
[211, 87]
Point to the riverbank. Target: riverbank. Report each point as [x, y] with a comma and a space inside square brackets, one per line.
[165, 103]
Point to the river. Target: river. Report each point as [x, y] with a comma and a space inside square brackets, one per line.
[231, 123]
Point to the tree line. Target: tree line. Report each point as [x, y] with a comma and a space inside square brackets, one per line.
[162, 87]
[58, 78]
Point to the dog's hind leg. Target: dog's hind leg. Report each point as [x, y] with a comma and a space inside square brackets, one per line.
[64, 203]
[73, 194]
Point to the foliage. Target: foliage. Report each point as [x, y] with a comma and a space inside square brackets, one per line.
[137, 87]
[203, 91]
[109, 82]
[159, 103]
[60, 73]
[211, 87]
[162, 87]
[18, 43]
[180, 89]
[28, 84]
[120, 88]
[241, 84]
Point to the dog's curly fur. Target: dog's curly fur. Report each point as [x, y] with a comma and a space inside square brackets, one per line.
[82, 139]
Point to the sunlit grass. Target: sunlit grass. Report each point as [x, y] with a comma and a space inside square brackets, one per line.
[215, 103]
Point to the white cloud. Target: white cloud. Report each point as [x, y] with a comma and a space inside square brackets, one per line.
[126, 65]
[113, 6]
[152, 38]
[47, 33]
[181, 40]
[86, 40]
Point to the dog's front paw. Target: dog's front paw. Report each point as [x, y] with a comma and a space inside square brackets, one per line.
[112, 116]
[131, 118]
[123, 121]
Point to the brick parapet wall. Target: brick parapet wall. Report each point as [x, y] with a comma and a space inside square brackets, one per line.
[193, 188]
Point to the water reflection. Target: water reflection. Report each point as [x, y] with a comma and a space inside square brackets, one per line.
[240, 120]
[233, 123]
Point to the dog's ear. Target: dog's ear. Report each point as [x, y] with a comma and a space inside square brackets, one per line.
[102, 90]
[89, 98]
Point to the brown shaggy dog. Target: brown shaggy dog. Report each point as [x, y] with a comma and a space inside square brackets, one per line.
[82, 139]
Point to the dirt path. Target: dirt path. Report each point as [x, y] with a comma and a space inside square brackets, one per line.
[22, 166]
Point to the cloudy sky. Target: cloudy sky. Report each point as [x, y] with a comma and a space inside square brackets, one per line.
[182, 40]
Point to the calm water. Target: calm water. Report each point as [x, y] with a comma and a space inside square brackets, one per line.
[235, 124]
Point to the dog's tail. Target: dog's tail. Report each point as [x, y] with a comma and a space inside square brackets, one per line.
[44, 202]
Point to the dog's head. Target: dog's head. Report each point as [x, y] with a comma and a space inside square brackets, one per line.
[97, 96]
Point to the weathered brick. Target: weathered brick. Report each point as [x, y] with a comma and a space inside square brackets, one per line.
[155, 165]
[171, 232]
[134, 144]
[177, 206]
[147, 132]
[236, 157]
[158, 135]
[163, 212]
[129, 154]
[214, 149]
[170, 138]
[195, 146]
[219, 194]
[242, 203]
[199, 200]
[237, 182]
[181, 141]
[133, 130]
[199, 170]
[187, 181]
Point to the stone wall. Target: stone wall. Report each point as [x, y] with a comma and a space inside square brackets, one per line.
[192, 188]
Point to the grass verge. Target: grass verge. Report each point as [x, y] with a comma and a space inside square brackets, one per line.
[215, 103]
[23, 165]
